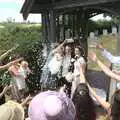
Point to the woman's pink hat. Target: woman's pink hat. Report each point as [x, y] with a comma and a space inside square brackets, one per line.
[51, 105]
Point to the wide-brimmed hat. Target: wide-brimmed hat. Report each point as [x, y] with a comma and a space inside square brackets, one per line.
[51, 105]
[11, 111]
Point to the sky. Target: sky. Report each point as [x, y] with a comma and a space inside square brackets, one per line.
[11, 9]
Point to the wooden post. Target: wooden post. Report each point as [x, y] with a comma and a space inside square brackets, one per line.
[85, 32]
[63, 25]
[83, 20]
[47, 22]
[44, 28]
[118, 42]
[69, 25]
[73, 25]
[78, 25]
[107, 84]
[114, 85]
[52, 27]
[57, 28]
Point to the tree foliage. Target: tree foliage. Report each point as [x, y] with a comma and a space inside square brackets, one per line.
[29, 38]
[100, 25]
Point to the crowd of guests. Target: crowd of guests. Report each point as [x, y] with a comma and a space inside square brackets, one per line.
[66, 94]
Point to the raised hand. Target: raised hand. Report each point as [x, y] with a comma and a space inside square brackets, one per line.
[8, 52]
[92, 56]
[26, 101]
[17, 60]
[6, 88]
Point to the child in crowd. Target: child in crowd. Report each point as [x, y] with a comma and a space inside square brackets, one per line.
[19, 73]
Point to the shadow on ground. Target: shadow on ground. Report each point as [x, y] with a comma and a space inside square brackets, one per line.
[98, 79]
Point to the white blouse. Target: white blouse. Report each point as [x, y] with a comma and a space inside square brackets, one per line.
[77, 65]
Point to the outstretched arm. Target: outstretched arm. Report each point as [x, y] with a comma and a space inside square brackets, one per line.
[82, 77]
[56, 49]
[9, 64]
[7, 52]
[26, 101]
[6, 88]
[1, 94]
[103, 103]
[108, 55]
[92, 56]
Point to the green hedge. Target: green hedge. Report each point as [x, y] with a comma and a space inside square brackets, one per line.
[29, 38]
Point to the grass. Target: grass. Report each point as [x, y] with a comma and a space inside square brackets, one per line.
[110, 43]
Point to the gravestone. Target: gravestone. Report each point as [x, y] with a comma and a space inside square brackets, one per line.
[96, 33]
[92, 40]
[105, 32]
[92, 35]
[114, 30]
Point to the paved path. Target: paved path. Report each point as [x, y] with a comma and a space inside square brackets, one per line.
[99, 80]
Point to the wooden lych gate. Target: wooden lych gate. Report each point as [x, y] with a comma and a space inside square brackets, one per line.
[59, 16]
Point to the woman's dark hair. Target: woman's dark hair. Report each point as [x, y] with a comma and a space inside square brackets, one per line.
[83, 103]
[115, 106]
[82, 53]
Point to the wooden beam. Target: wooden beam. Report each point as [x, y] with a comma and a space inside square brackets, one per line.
[77, 3]
[104, 5]
[92, 15]
[27, 8]
[39, 8]
[108, 8]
